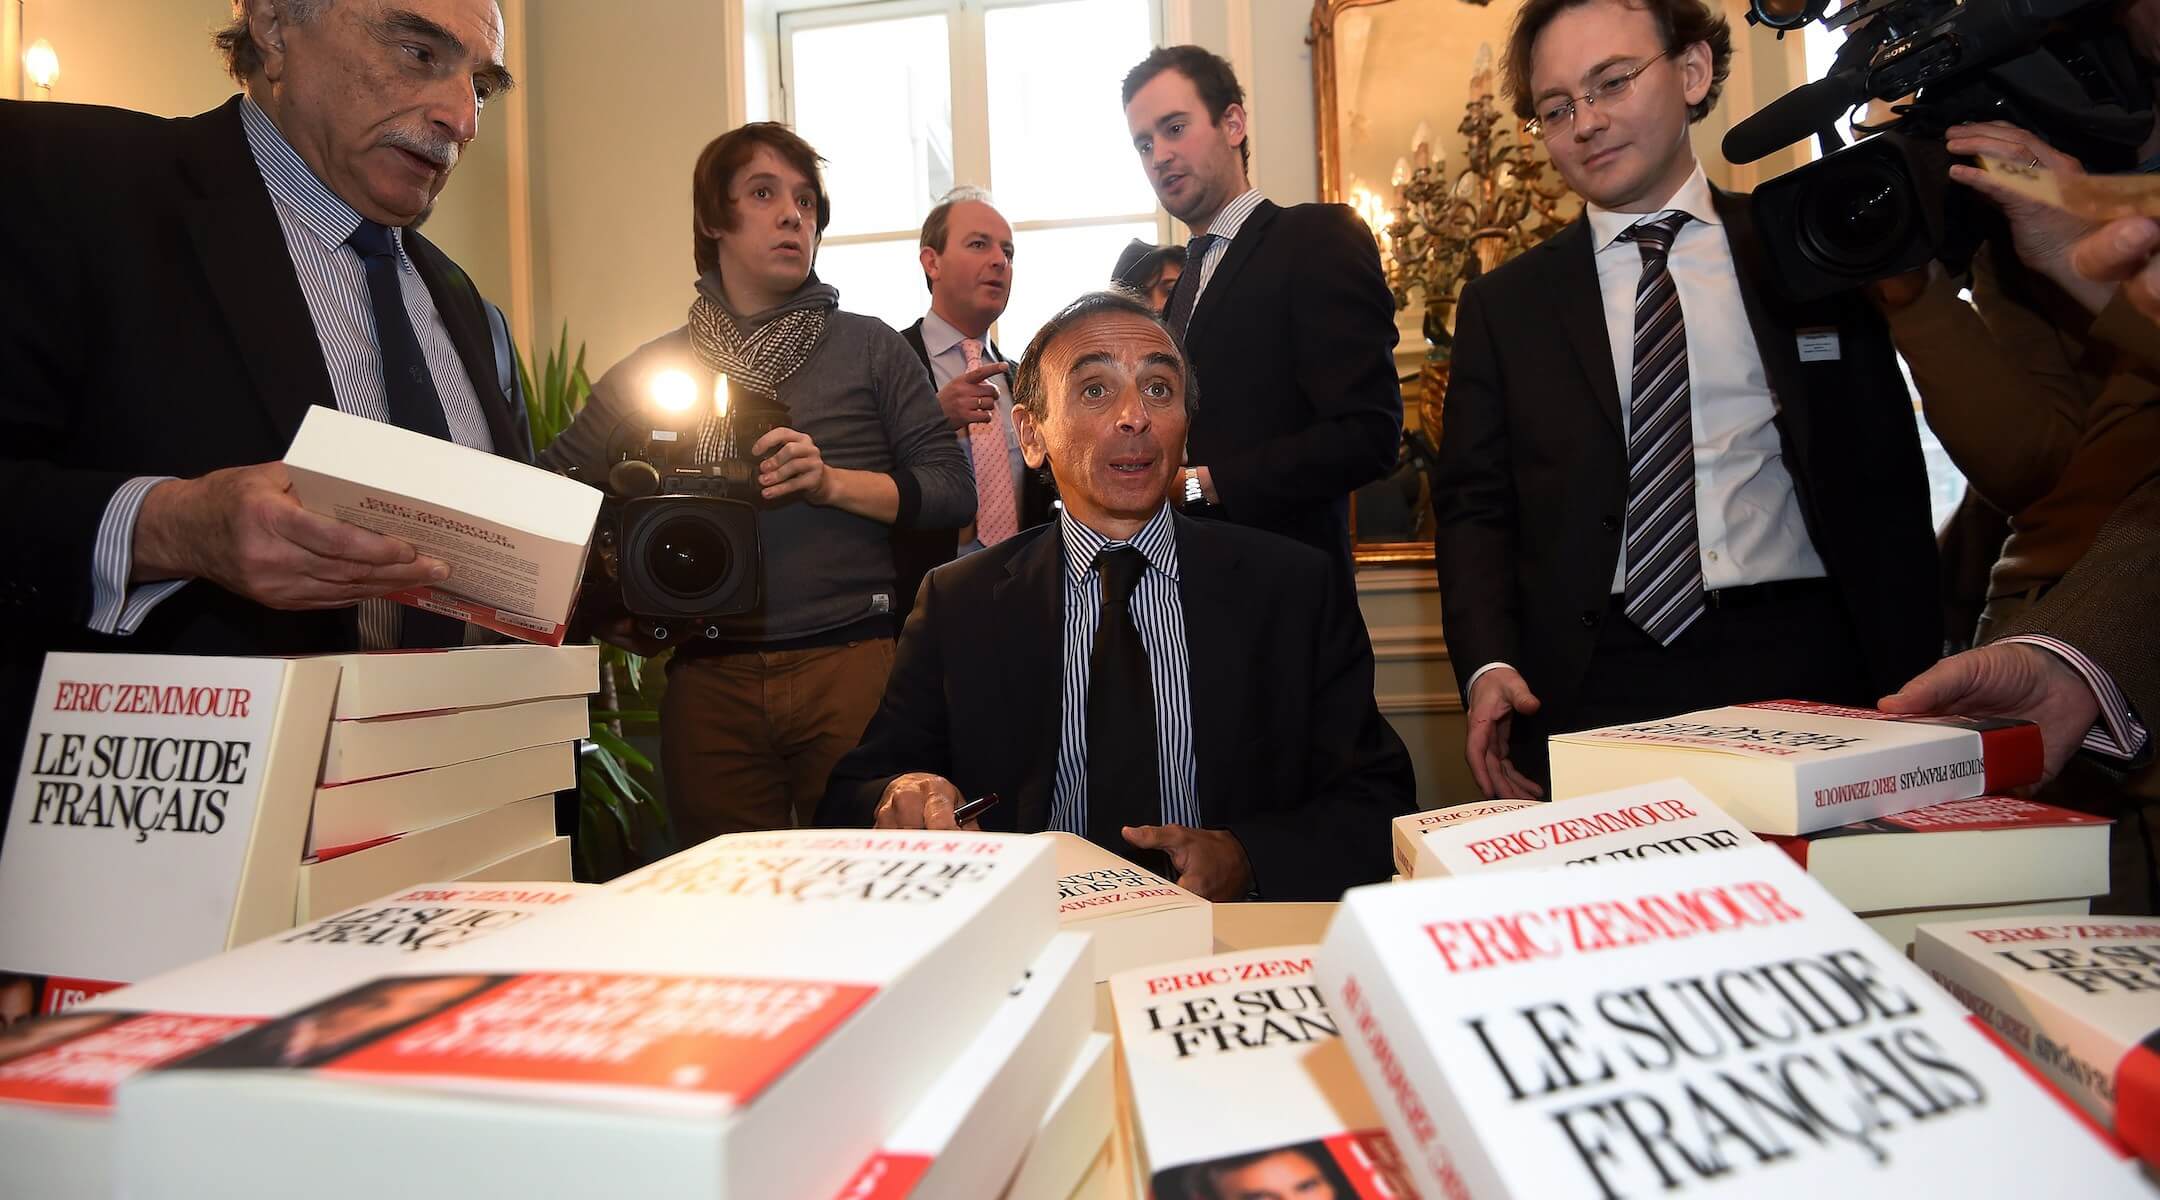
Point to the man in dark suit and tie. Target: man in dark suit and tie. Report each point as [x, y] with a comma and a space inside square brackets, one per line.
[1165, 687]
[967, 260]
[1285, 312]
[179, 292]
[1662, 486]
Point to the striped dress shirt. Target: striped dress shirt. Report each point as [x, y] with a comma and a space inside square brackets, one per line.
[1225, 226]
[315, 224]
[1159, 614]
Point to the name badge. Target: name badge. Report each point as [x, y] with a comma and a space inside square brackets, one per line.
[1819, 345]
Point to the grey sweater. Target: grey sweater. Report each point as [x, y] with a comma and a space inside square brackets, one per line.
[864, 398]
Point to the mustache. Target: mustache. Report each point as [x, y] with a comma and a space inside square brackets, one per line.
[441, 151]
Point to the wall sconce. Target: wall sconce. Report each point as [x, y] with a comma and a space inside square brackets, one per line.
[41, 66]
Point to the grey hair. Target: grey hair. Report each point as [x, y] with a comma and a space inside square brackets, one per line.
[1032, 392]
[242, 56]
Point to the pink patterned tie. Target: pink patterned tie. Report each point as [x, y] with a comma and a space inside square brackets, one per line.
[996, 516]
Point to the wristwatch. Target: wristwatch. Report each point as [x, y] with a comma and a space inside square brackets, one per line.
[1193, 494]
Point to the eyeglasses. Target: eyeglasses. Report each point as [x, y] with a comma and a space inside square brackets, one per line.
[1559, 115]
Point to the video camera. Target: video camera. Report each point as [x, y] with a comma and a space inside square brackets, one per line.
[1885, 204]
[677, 540]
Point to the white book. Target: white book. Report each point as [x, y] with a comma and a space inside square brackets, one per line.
[55, 1102]
[1240, 1082]
[159, 813]
[377, 746]
[372, 809]
[1409, 826]
[1898, 928]
[1650, 822]
[1719, 1025]
[749, 1018]
[1984, 850]
[444, 852]
[1792, 767]
[965, 1136]
[2078, 997]
[548, 860]
[387, 683]
[514, 535]
[1075, 1133]
[1135, 916]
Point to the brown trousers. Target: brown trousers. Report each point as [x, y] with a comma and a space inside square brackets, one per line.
[747, 740]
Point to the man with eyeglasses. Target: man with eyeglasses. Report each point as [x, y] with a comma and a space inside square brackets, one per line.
[1662, 485]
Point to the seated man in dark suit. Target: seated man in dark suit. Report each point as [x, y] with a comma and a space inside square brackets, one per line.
[1191, 692]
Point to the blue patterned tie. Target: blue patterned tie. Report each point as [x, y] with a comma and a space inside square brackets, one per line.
[1664, 591]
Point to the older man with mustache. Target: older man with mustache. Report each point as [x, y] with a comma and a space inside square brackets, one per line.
[180, 292]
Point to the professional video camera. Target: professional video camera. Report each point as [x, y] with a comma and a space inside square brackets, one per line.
[1884, 205]
[677, 541]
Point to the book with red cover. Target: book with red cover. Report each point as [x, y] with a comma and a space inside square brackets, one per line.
[1980, 850]
[1716, 1025]
[1794, 767]
[2078, 997]
[57, 1074]
[751, 1017]
[1240, 1083]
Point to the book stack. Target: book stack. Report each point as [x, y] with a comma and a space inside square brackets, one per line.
[1240, 1083]
[445, 764]
[1718, 1025]
[1648, 822]
[1134, 916]
[1988, 857]
[58, 1074]
[2079, 999]
[759, 1016]
[1791, 767]
[170, 807]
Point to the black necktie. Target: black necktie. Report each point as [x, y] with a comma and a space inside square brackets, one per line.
[1123, 787]
[1186, 292]
[409, 391]
[408, 385]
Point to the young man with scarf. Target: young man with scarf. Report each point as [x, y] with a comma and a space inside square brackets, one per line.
[754, 720]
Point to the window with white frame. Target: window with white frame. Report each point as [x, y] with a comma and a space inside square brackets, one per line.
[908, 98]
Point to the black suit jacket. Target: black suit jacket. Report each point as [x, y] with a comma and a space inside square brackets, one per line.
[1291, 752]
[151, 324]
[1293, 344]
[917, 552]
[1532, 478]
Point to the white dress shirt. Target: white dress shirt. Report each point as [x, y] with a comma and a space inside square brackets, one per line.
[1747, 516]
[948, 361]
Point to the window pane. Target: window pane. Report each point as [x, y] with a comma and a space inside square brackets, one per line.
[1053, 267]
[877, 279]
[876, 101]
[1058, 144]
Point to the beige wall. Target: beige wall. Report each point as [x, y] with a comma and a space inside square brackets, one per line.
[621, 105]
[151, 55]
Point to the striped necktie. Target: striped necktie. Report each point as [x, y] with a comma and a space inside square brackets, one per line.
[1664, 589]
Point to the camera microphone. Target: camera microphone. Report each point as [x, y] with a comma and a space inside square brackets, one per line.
[1796, 115]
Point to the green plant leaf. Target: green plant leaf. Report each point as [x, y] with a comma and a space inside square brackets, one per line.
[608, 740]
[596, 785]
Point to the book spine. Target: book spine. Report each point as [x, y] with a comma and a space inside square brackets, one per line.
[2137, 1099]
[487, 616]
[2044, 1035]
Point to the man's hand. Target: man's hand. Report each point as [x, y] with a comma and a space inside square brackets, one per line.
[2124, 251]
[2007, 679]
[969, 399]
[1495, 698]
[1209, 862]
[2043, 235]
[794, 467]
[919, 800]
[242, 530]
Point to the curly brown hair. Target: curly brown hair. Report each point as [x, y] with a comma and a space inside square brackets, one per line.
[1680, 23]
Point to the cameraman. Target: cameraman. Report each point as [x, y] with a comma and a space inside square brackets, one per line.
[754, 720]
[2040, 387]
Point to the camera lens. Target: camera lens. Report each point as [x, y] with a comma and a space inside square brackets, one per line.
[688, 557]
[1854, 218]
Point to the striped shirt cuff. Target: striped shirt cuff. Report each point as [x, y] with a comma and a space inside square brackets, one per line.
[114, 607]
[2118, 733]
